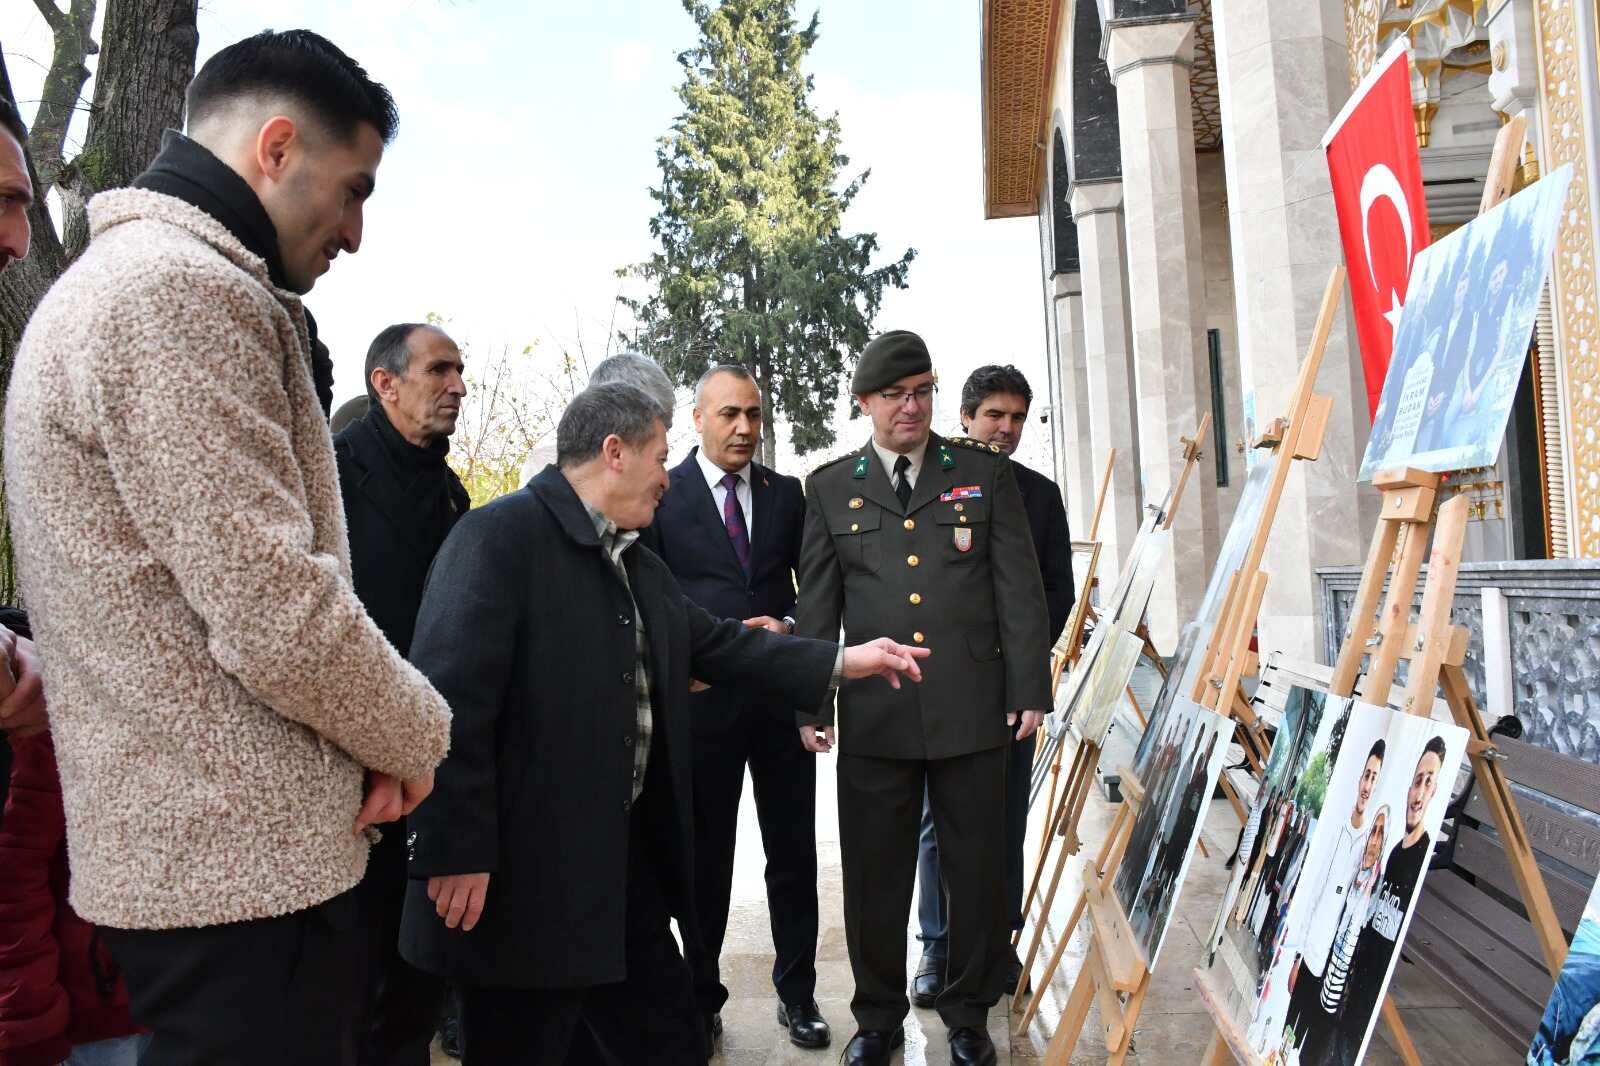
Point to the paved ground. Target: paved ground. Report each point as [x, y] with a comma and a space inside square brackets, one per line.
[1173, 1030]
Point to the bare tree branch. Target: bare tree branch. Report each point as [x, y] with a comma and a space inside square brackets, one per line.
[52, 14]
[63, 83]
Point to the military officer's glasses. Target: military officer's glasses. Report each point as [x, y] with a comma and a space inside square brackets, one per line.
[923, 394]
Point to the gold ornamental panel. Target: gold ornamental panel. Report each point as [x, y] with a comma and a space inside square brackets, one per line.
[1561, 100]
[1018, 56]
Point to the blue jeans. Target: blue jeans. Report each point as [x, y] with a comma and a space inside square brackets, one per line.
[118, 1051]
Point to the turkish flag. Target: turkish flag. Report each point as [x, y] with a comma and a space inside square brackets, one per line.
[1383, 216]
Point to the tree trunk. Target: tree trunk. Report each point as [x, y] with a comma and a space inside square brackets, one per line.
[769, 430]
[147, 56]
[147, 61]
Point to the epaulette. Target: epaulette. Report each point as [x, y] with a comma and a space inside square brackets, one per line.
[975, 445]
[836, 460]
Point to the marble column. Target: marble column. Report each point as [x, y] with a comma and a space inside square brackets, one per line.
[1079, 479]
[1108, 371]
[1283, 74]
[1149, 63]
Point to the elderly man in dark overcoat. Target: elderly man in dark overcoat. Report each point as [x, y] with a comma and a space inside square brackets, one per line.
[558, 843]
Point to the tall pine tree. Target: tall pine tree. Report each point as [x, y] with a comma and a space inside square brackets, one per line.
[754, 268]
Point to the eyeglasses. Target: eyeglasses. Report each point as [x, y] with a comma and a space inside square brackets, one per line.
[923, 394]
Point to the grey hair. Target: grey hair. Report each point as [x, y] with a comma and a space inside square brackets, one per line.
[391, 349]
[641, 372]
[731, 369]
[600, 411]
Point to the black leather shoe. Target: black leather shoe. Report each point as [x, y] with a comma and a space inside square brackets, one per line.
[929, 981]
[450, 1036]
[807, 1027]
[873, 1047]
[971, 1047]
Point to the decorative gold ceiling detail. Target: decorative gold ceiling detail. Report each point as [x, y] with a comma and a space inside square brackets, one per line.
[1019, 39]
[1203, 97]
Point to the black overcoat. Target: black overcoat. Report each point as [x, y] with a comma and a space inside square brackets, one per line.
[392, 543]
[1052, 541]
[528, 632]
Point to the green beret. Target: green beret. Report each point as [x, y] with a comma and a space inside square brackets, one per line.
[887, 358]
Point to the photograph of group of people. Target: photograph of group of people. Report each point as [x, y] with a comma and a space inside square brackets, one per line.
[1326, 875]
[1569, 1032]
[1462, 336]
[1189, 756]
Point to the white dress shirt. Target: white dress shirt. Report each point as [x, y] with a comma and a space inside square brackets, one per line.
[714, 475]
[888, 459]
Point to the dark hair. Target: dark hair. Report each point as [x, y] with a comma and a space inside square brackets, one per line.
[11, 120]
[600, 411]
[1435, 744]
[390, 350]
[988, 380]
[1378, 748]
[301, 66]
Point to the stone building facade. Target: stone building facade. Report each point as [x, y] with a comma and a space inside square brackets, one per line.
[1171, 151]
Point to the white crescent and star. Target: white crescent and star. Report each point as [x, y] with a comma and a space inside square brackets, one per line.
[1380, 183]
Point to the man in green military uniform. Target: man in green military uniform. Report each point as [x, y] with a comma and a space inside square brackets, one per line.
[926, 540]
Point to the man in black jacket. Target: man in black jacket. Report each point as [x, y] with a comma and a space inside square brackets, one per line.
[729, 530]
[994, 409]
[557, 844]
[401, 499]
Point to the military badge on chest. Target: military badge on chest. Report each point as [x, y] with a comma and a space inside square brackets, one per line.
[963, 539]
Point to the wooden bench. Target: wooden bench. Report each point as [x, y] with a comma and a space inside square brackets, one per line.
[1469, 927]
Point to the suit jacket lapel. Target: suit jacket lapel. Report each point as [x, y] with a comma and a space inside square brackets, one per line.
[704, 505]
[876, 486]
[933, 479]
[760, 503]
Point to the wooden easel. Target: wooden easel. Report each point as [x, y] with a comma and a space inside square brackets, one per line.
[1069, 648]
[1114, 973]
[1434, 649]
[1063, 818]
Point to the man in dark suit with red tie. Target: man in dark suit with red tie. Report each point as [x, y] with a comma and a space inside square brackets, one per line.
[729, 529]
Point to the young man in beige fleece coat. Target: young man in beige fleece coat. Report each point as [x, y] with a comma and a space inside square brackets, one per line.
[228, 719]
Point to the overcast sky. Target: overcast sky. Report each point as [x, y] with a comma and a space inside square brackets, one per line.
[519, 182]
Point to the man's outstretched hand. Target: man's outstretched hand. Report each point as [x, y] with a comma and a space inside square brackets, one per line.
[885, 658]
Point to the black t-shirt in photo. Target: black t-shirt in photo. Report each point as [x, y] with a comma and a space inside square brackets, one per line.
[1376, 945]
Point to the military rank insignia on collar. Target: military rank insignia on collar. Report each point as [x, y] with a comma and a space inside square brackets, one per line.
[861, 467]
[946, 460]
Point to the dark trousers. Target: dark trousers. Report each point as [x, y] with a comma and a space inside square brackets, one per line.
[932, 907]
[880, 814]
[649, 1017]
[257, 993]
[784, 775]
[401, 1008]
